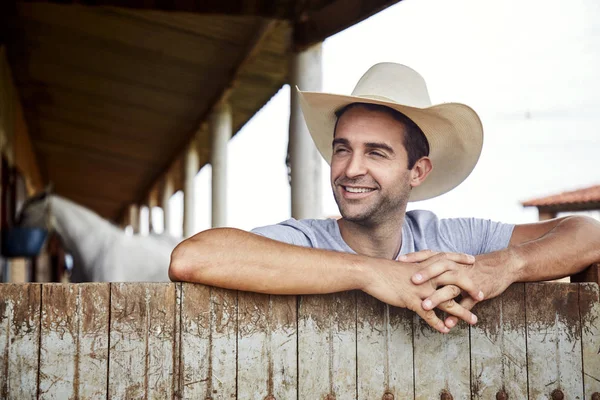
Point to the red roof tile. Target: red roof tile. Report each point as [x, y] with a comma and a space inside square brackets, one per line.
[587, 195]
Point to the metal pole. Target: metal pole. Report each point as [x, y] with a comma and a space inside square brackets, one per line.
[221, 130]
[304, 156]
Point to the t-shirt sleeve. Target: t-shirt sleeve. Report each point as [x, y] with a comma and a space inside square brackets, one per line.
[290, 231]
[476, 236]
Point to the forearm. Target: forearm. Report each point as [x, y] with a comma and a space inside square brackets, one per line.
[236, 259]
[572, 245]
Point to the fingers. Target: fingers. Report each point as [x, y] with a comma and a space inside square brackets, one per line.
[417, 256]
[467, 303]
[432, 319]
[444, 300]
[457, 278]
[440, 263]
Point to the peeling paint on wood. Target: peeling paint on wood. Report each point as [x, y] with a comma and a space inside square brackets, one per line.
[553, 340]
[589, 308]
[195, 341]
[208, 348]
[142, 331]
[223, 343]
[498, 347]
[74, 341]
[441, 361]
[384, 350]
[327, 346]
[267, 353]
[19, 340]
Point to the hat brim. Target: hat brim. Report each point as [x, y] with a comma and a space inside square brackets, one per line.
[454, 132]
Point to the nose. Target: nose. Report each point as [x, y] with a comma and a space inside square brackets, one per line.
[356, 166]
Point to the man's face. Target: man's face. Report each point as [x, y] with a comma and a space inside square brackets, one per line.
[369, 166]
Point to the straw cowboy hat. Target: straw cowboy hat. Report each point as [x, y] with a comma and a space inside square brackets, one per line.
[454, 130]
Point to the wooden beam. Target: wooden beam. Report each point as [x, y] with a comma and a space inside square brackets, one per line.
[282, 9]
[315, 26]
[585, 206]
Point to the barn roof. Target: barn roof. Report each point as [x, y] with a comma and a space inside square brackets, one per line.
[112, 95]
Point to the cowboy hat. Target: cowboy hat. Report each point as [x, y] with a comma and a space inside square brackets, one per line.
[454, 130]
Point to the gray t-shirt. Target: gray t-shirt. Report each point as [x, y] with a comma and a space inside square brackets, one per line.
[422, 230]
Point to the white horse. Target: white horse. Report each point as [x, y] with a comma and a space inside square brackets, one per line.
[101, 251]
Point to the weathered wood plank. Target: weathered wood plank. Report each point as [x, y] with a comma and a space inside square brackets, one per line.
[223, 343]
[267, 346]
[177, 369]
[384, 350]
[142, 341]
[589, 309]
[498, 347]
[327, 346]
[74, 341]
[195, 341]
[208, 348]
[441, 361]
[19, 340]
[553, 340]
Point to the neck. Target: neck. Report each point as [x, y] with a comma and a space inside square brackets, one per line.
[85, 234]
[381, 240]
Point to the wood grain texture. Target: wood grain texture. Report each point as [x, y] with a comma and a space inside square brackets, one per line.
[195, 341]
[553, 340]
[589, 309]
[327, 346]
[498, 347]
[142, 337]
[223, 333]
[19, 340]
[267, 346]
[74, 341]
[384, 349]
[441, 361]
[208, 344]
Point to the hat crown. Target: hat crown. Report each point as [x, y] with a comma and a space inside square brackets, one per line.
[395, 82]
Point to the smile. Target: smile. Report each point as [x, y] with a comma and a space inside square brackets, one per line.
[357, 189]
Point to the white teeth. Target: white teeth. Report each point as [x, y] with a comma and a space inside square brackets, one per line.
[358, 190]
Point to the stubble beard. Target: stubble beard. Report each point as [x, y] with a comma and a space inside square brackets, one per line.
[376, 213]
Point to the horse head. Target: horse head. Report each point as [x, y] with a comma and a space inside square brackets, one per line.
[36, 213]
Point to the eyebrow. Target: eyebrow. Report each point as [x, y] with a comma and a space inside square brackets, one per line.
[370, 145]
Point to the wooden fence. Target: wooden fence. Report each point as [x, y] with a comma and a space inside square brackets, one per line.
[160, 341]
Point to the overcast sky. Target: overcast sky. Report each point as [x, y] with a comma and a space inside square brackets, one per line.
[529, 68]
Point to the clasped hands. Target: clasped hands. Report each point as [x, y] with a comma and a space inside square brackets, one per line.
[428, 280]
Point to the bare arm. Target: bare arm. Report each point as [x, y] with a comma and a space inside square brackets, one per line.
[554, 249]
[542, 251]
[235, 259]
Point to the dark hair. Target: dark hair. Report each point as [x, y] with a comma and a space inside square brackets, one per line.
[415, 142]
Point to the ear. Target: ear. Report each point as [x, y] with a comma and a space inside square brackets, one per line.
[420, 170]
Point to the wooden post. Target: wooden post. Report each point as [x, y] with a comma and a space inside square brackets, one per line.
[192, 165]
[167, 192]
[545, 214]
[134, 218]
[152, 203]
[590, 274]
[221, 130]
[304, 156]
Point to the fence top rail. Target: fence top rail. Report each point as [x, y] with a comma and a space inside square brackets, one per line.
[180, 340]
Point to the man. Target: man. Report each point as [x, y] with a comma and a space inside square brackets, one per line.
[387, 145]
